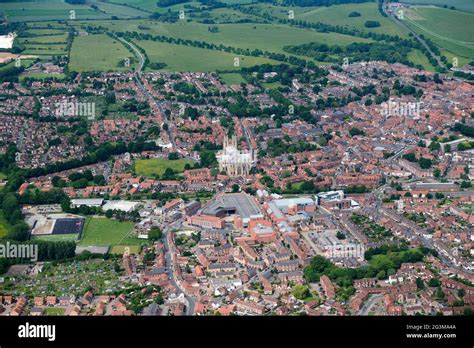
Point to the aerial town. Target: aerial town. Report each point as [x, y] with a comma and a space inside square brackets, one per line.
[236, 158]
[361, 209]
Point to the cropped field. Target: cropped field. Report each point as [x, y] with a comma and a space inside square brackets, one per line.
[462, 5]
[97, 53]
[60, 10]
[339, 15]
[187, 58]
[153, 166]
[45, 50]
[451, 30]
[103, 231]
[268, 37]
[150, 5]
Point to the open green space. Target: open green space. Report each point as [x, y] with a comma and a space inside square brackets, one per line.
[265, 37]
[42, 76]
[151, 167]
[20, 11]
[57, 237]
[450, 30]
[339, 15]
[232, 78]
[103, 231]
[120, 249]
[417, 57]
[188, 58]
[98, 53]
[462, 5]
[54, 311]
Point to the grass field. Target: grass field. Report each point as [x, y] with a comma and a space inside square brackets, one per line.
[418, 57]
[103, 231]
[153, 166]
[42, 76]
[57, 237]
[97, 53]
[187, 58]
[120, 249]
[232, 78]
[451, 30]
[17, 11]
[54, 311]
[267, 37]
[462, 5]
[339, 15]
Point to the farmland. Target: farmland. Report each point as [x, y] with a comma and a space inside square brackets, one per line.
[60, 10]
[103, 232]
[450, 30]
[462, 5]
[270, 37]
[339, 15]
[153, 166]
[186, 58]
[97, 53]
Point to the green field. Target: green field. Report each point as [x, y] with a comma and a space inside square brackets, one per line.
[418, 57]
[188, 58]
[462, 5]
[450, 30]
[103, 232]
[97, 53]
[54, 311]
[57, 237]
[42, 76]
[268, 37]
[339, 15]
[17, 11]
[232, 78]
[151, 167]
[120, 249]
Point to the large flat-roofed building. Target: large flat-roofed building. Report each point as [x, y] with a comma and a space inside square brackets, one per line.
[241, 204]
[89, 202]
[126, 206]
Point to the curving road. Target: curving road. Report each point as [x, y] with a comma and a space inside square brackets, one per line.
[400, 23]
[138, 73]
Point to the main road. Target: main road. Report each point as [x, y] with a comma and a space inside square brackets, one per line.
[138, 79]
[170, 266]
[415, 34]
[167, 230]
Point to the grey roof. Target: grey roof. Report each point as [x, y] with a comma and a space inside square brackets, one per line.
[244, 205]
